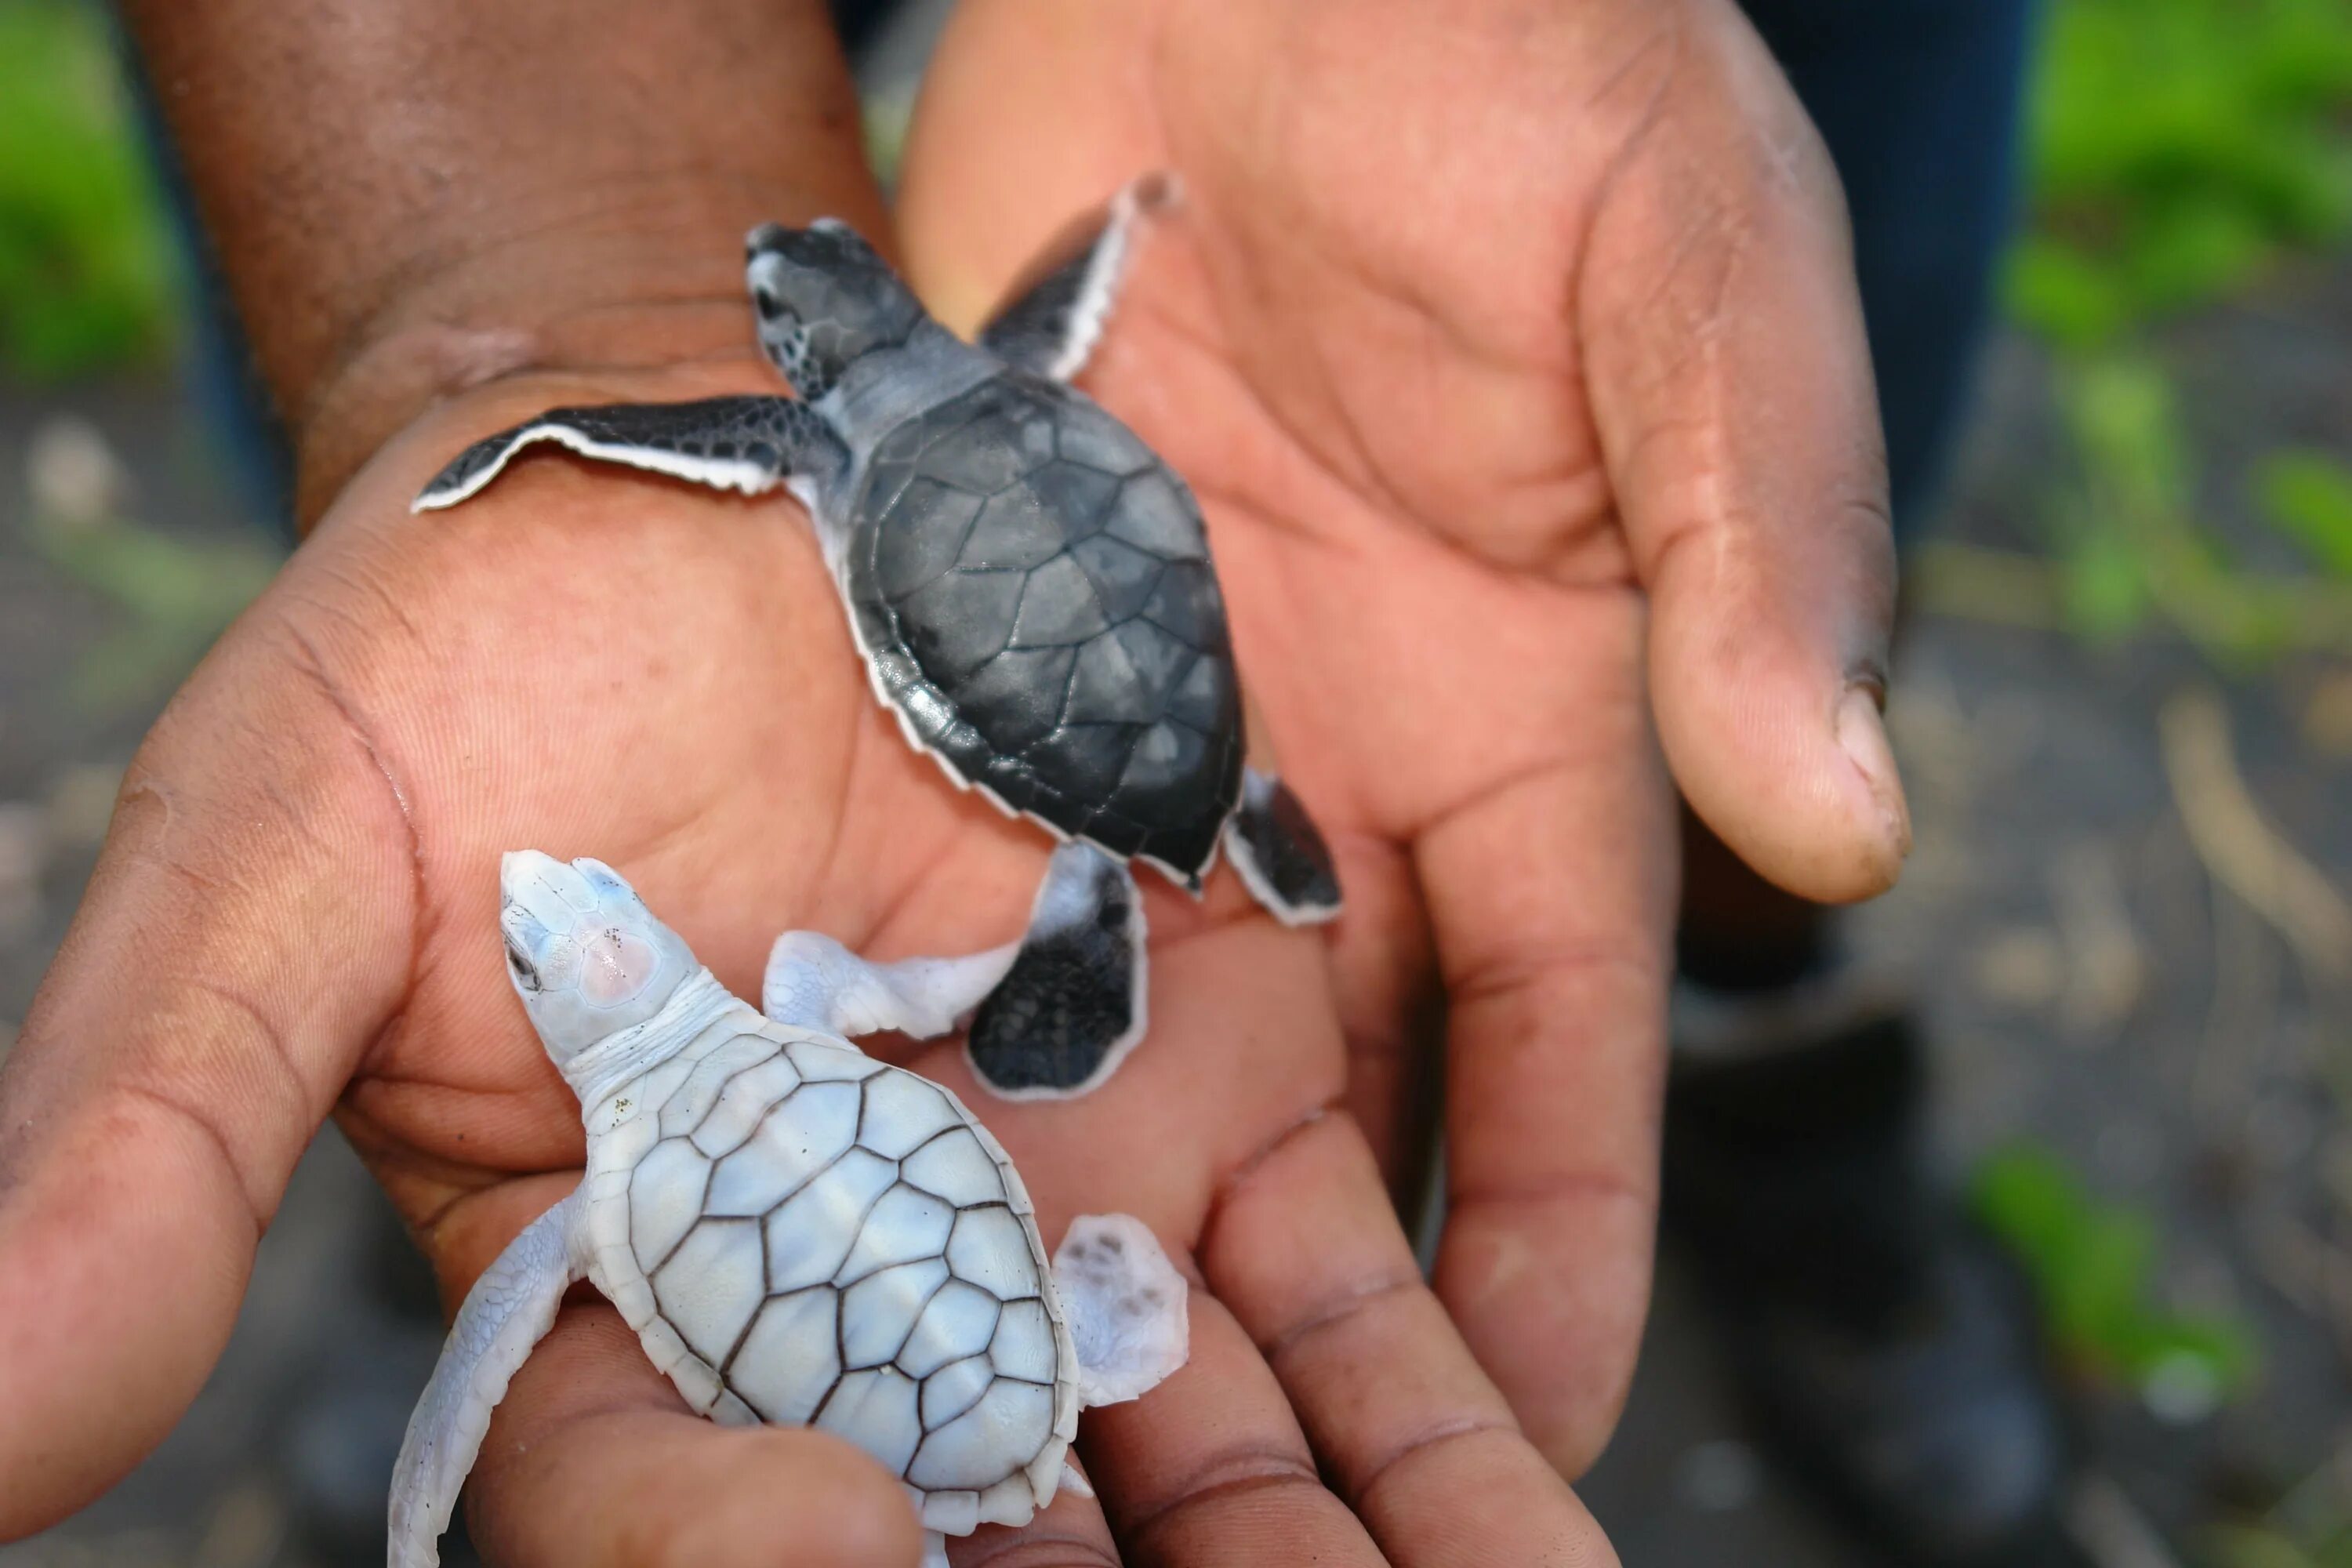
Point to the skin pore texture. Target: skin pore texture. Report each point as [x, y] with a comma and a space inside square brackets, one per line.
[1512, 349]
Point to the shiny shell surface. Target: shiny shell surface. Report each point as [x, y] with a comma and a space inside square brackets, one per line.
[805, 1236]
[1033, 591]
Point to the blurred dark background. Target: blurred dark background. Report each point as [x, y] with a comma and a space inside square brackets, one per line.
[2125, 710]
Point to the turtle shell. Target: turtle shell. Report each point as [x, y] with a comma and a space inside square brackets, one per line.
[805, 1236]
[1032, 589]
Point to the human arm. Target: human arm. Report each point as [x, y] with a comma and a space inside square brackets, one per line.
[409, 200]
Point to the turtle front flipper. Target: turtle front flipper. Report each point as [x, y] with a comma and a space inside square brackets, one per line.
[507, 1311]
[750, 443]
[1280, 856]
[1052, 1016]
[1051, 327]
[816, 983]
[1073, 1004]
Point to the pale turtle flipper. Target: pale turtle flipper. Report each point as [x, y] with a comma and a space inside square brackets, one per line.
[1052, 328]
[509, 1310]
[750, 443]
[1073, 1004]
[1125, 1306]
[1281, 858]
[816, 983]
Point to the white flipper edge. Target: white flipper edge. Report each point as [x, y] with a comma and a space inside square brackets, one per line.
[507, 1311]
[1280, 856]
[816, 983]
[1106, 269]
[1125, 1306]
[1052, 327]
[719, 473]
[1074, 1480]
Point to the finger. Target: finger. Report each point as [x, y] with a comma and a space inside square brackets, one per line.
[1409, 1430]
[593, 1461]
[245, 933]
[1385, 986]
[1210, 1470]
[1731, 385]
[1384, 982]
[1557, 979]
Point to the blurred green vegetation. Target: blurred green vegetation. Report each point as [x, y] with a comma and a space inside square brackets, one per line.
[2178, 152]
[2175, 147]
[2093, 1266]
[2130, 544]
[85, 273]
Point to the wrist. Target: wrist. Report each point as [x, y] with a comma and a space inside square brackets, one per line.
[407, 203]
[630, 285]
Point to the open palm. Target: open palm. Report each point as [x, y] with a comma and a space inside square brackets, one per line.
[301, 884]
[1516, 363]
[1514, 354]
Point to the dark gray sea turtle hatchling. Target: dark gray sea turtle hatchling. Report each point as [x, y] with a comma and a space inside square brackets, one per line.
[1031, 588]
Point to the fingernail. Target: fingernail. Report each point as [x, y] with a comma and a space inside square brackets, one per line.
[1862, 734]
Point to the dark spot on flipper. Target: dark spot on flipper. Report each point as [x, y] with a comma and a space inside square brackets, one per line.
[1281, 855]
[1072, 1003]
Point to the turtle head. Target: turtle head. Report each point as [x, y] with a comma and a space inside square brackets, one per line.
[824, 298]
[584, 953]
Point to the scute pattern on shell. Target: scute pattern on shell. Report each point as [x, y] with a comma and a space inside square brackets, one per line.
[837, 1243]
[1034, 589]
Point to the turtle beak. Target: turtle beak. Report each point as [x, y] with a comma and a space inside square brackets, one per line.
[517, 868]
[551, 891]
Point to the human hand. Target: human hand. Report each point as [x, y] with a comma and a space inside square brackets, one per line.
[509, 207]
[1514, 353]
[295, 917]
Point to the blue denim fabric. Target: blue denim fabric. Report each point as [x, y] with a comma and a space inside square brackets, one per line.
[218, 371]
[1918, 102]
[1916, 99]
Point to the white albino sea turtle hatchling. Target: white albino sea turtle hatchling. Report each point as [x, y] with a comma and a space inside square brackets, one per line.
[798, 1233]
[1030, 587]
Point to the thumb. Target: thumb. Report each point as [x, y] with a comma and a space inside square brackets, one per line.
[1731, 381]
[246, 932]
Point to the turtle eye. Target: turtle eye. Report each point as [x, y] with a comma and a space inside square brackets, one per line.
[525, 976]
[765, 301]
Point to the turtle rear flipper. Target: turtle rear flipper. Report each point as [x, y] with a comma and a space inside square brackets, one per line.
[507, 1311]
[750, 443]
[1281, 856]
[1125, 1306]
[1073, 1004]
[1051, 327]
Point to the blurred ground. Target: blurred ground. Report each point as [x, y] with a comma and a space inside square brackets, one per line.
[2093, 989]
